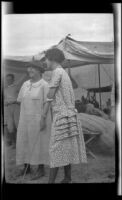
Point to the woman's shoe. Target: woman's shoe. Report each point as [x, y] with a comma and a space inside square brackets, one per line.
[22, 171]
[66, 181]
[38, 174]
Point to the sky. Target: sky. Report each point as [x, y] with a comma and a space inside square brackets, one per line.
[29, 34]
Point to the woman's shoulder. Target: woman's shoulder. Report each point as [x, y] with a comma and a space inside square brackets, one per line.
[44, 82]
[26, 83]
[58, 71]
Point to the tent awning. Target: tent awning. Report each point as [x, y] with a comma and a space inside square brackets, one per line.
[74, 50]
[101, 89]
[75, 53]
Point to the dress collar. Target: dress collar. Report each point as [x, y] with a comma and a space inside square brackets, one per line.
[36, 84]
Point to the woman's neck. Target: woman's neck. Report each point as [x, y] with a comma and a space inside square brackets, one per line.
[35, 79]
[55, 65]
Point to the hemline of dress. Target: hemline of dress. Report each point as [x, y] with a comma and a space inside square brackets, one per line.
[68, 163]
[32, 163]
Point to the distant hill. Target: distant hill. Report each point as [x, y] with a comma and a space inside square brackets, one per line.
[19, 58]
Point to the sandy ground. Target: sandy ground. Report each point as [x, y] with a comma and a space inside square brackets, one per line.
[99, 170]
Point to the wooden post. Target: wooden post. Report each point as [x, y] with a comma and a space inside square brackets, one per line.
[69, 70]
[99, 83]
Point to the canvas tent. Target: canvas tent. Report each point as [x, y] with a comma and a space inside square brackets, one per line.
[75, 50]
[78, 57]
[75, 53]
[78, 54]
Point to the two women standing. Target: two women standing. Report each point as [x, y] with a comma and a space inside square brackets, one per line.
[66, 145]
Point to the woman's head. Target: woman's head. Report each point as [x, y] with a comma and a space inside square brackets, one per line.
[34, 70]
[54, 56]
[10, 79]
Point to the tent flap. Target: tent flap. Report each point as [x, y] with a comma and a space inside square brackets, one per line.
[101, 89]
[75, 51]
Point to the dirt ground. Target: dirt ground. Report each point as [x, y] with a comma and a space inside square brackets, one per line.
[99, 170]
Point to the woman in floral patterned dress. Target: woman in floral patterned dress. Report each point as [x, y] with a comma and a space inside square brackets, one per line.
[66, 143]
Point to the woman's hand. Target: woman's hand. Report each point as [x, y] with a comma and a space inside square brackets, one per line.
[42, 123]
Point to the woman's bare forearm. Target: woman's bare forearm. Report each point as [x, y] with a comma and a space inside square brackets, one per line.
[50, 97]
[46, 108]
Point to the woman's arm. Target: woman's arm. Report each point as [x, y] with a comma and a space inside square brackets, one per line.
[50, 97]
[54, 84]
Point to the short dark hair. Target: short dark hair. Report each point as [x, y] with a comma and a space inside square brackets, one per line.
[38, 66]
[11, 75]
[55, 54]
[40, 69]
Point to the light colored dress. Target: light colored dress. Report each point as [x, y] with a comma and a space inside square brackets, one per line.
[66, 142]
[32, 144]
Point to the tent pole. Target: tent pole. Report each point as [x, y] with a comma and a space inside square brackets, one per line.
[99, 83]
[69, 70]
[74, 83]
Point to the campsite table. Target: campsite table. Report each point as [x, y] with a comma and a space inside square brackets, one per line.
[92, 136]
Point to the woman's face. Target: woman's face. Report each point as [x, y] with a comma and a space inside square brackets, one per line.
[9, 80]
[48, 63]
[33, 72]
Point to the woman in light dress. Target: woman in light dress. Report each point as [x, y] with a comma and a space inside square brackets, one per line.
[66, 142]
[32, 145]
